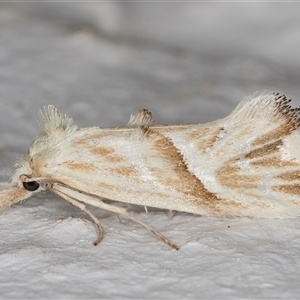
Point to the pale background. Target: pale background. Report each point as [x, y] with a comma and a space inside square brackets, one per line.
[100, 62]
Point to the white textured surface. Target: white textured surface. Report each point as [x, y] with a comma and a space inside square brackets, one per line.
[100, 62]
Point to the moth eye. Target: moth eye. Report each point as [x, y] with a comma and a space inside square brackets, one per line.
[31, 185]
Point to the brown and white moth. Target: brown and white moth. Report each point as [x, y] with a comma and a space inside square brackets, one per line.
[247, 164]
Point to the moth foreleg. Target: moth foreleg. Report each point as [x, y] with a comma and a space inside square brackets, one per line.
[83, 208]
[122, 211]
[63, 191]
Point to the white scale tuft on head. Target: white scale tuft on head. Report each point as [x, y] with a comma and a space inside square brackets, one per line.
[55, 127]
[53, 120]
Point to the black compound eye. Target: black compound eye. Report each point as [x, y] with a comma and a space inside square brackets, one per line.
[31, 185]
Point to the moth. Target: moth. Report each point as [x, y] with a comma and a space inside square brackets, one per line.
[247, 164]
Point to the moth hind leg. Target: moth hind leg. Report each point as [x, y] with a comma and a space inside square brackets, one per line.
[70, 194]
[151, 229]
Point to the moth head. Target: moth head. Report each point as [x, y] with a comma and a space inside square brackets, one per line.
[11, 193]
[25, 174]
[29, 175]
[31, 170]
[23, 184]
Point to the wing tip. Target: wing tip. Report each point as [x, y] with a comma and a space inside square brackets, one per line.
[273, 106]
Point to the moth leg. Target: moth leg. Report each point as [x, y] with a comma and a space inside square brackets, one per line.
[65, 191]
[146, 209]
[83, 208]
[122, 211]
[119, 218]
[151, 229]
[171, 214]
